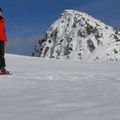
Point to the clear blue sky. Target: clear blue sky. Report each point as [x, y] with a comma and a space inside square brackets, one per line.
[27, 20]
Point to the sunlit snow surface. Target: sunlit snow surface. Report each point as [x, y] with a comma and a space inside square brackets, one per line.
[42, 89]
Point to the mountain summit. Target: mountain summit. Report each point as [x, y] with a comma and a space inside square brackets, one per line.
[77, 35]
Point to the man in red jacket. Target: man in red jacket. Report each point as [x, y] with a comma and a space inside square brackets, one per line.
[3, 40]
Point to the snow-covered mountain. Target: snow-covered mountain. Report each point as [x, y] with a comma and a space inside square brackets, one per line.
[77, 35]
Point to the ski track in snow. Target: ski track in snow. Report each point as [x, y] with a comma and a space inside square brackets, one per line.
[42, 89]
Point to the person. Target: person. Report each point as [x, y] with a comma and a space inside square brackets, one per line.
[3, 41]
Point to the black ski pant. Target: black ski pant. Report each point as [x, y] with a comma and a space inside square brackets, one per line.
[2, 53]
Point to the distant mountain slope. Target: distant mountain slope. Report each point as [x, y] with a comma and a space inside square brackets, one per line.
[77, 35]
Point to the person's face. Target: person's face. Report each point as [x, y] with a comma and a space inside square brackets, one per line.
[0, 13]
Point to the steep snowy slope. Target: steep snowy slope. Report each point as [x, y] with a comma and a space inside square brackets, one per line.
[42, 89]
[77, 35]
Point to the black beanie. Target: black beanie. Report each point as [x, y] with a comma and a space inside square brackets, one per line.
[1, 9]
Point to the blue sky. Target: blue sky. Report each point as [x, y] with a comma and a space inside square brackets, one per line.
[28, 20]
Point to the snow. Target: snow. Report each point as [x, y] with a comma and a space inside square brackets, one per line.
[49, 89]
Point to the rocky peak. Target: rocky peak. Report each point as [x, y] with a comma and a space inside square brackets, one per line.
[77, 35]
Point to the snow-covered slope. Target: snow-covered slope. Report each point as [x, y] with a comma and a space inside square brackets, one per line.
[42, 89]
[77, 35]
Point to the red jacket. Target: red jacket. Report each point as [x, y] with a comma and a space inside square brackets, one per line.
[3, 36]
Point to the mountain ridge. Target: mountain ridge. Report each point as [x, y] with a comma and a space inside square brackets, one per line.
[77, 35]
